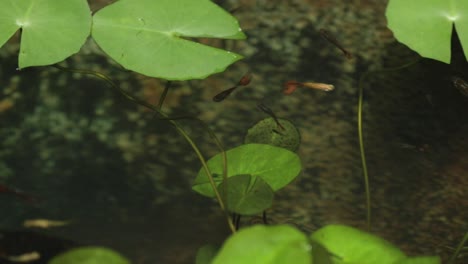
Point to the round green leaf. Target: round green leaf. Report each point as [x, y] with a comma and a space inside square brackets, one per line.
[89, 255]
[265, 245]
[52, 30]
[267, 132]
[426, 25]
[276, 166]
[247, 195]
[147, 36]
[352, 246]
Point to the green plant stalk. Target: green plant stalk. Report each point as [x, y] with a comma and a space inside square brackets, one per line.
[163, 95]
[360, 133]
[362, 152]
[459, 248]
[179, 129]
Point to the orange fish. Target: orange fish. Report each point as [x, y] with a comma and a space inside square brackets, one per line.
[291, 86]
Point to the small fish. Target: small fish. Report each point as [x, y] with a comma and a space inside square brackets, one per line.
[460, 84]
[328, 36]
[25, 258]
[244, 81]
[224, 94]
[268, 111]
[291, 86]
[44, 223]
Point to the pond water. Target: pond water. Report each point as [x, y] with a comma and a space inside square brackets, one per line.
[123, 178]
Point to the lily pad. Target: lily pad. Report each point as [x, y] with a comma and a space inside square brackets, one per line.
[151, 37]
[89, 255]
[276, 166]
[265, 245]
[350, 245]
[426, 25]
[52, 30]
[247, 195]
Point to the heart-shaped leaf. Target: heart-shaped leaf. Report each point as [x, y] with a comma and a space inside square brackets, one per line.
[147, 36]
[247, 195]
[265, 245]
[52, 30]
[426, 25]
[276, 166]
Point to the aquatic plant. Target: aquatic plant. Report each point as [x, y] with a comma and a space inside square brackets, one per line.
[426, 26]
[330, 244]
[130, 32]
[243, 179]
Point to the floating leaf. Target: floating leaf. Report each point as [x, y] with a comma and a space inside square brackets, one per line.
[350, 245]
[247, 195]
[265, 245]
[149, 36]
[89, 255]
[52, 30]
[276, 166]
[426, 25]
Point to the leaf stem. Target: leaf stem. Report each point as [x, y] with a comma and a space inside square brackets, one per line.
[178, 128]
[459, 248]
[360, 133]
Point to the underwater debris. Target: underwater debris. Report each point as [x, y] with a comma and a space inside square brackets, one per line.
[460, 84]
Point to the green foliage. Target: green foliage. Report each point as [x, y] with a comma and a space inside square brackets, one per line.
[89, 255]
[52, 30]
[265, 245]
[246, 194]
[276, 166]
[351, 245]
[426, 25]
[348, 245]
[333, 244]
[146, 36]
